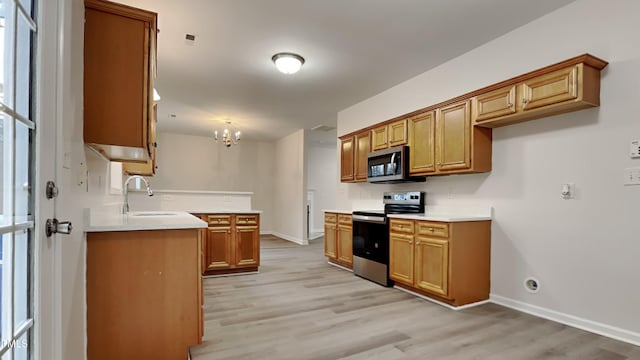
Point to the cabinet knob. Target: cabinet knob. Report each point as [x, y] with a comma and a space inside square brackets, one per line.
[410, 242]
[417, 242]
[524, 100]
[431, 229]
[509, 105]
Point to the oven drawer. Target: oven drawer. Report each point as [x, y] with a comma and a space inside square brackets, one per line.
[433, 229]
[401, 226]
[246, 219]
[330, 218]
[344, 219]
[215, 220]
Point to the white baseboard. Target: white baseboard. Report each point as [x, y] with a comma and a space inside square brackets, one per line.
[266, 232]
[319, 235]
[339, 266]
[571, 320]
[461, 307]
[290, 238]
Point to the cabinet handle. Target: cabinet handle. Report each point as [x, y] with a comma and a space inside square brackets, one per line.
[431, 229]
[417, 242]
[509, 105]
[410, 242]
[524, 100]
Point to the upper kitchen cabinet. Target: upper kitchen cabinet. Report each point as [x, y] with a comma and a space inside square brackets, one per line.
[347, 173]
[461, 147]
[362, 147]
[389, 135]
[571, 85]
[354, 150]
[422, 149]
[119, 68]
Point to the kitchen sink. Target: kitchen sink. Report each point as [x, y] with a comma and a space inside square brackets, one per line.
[153, 213]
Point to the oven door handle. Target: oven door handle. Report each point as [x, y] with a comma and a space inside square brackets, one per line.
[370, 219]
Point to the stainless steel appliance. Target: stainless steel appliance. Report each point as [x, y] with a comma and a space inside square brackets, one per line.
[390, 166]
[371, 234]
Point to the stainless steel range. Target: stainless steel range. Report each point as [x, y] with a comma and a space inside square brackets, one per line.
[371, 234]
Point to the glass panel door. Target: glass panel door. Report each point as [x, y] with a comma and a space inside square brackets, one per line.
[17, 126]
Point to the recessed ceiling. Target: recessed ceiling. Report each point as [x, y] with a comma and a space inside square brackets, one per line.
[353, 49]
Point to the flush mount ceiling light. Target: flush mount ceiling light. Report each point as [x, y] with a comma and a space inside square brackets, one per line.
[288, 63]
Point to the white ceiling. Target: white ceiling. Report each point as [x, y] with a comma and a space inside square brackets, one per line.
[354, 49]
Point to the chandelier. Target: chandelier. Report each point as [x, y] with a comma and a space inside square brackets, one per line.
[227, 138]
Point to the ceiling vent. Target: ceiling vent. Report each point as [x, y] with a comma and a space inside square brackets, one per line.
[323, 128]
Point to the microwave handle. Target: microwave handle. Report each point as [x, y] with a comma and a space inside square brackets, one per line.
[393, 161]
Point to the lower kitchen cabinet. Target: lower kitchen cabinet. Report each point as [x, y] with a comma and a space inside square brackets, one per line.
[338, 239]
[144, 294]
[231, 244]
[448, 261]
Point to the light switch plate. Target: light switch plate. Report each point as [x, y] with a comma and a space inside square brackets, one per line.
[634, 149]
[632, 176]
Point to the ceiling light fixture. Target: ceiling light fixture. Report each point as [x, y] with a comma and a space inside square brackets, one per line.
[227, 139]
[288, 63]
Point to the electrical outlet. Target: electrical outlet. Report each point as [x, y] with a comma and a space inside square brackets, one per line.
[632, 176]
[634, 149]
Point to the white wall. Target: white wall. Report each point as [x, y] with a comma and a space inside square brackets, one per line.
[199, 163]
[289, 207]
[583, 251]
[322, 173]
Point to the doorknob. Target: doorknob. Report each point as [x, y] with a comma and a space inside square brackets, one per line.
[53, 226]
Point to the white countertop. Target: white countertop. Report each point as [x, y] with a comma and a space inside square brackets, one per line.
[337, 211]
[101, 221]
[441, 217]
[229, 211]
[450, 213]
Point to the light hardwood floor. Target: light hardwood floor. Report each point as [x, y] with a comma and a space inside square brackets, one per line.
[299, 307]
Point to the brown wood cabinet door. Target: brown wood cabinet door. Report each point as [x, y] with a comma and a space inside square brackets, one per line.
[401, 258]
[494, 104]
[453, 137]
[432, 265]
[422, 140]
[345, 244]
[218, 248]
[330, 241]
[116, 78]
[379, 139]
[363, 146]
[346, 160]
[247, 249]
[397, 133]
[550, 89]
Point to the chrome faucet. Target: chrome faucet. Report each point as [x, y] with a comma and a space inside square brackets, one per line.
[125, 207]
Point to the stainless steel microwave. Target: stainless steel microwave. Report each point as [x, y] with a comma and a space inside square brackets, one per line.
[390, 166]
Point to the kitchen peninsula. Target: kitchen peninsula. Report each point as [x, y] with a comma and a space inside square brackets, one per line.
[144, 286]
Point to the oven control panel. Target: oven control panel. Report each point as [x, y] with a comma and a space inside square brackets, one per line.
[407, 197]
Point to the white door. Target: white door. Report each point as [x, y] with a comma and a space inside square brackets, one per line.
[28, 134]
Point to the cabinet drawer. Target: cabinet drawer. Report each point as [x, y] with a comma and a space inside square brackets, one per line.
[344, 219]
[214, 220]
[330, 218]
[433, 229]
[246, 219]
[401, 226]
